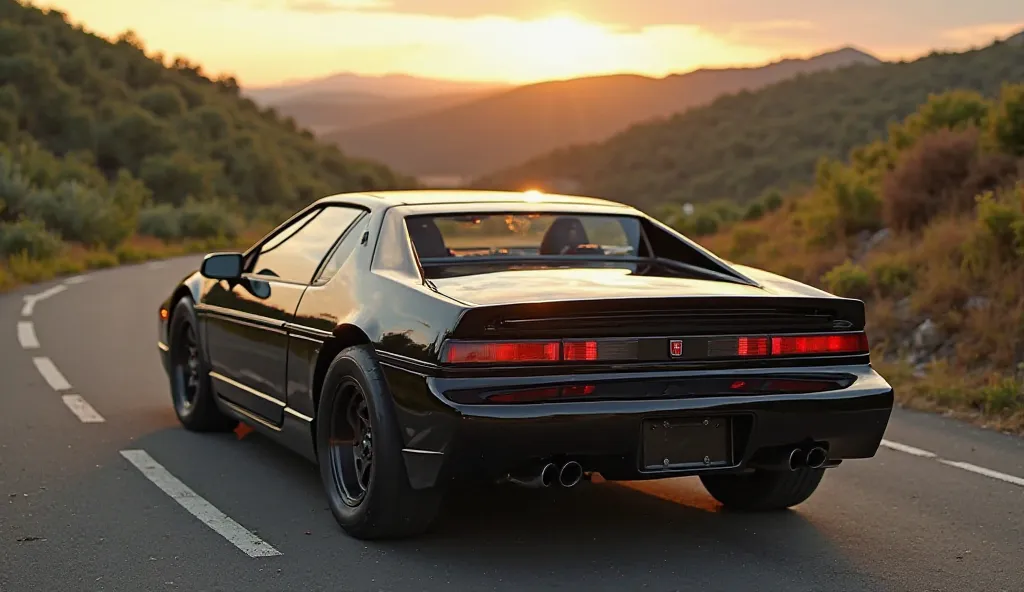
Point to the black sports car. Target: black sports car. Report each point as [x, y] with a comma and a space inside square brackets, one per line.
[410, 341]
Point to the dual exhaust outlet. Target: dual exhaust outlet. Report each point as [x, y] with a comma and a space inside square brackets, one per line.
[566, 475]
[813, 458]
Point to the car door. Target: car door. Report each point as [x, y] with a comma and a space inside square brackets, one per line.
[244, 322]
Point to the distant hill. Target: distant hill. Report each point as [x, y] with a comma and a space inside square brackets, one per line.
[391, 86]
[743, 144]
[324, 112]
[508, 127]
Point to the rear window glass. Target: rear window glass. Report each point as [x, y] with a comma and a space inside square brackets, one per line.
[523, 235]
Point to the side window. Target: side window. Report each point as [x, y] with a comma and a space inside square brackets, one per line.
[294, 255]
[348, 244]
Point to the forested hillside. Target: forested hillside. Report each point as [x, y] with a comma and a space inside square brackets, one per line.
[744, 144]
[927, 227]
[504, 128]
[99, 140]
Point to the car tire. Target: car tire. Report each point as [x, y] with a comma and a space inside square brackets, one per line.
[377, 502]
[191, 391]
[763, 491]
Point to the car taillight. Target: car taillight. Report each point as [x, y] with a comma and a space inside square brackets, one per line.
[752, 346]
[484, 352]
[580, 351]
[847, 343]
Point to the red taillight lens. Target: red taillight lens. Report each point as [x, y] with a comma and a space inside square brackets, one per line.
[498, 352]
[820, 344]
[752, 346]
[575, 351]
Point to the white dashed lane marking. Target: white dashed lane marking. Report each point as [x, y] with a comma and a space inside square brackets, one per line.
[207, 513]
[908, 449]
[52, 375]
[984, 471]
[31, 299]
[82, 410]
[27, 335]
[952, 463]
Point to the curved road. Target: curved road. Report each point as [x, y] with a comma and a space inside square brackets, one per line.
[941, 507]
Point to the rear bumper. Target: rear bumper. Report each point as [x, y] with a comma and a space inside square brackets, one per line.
[449, 440]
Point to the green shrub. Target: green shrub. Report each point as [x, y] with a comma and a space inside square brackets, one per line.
[162, 222]
[1006, 124]
[1000, 228]
[772, 201]
[849, 280]
[79, 214]
[207, 220]
[14, 187]
[755, 211]
[892, 276]
[857, 205]
[29, 237]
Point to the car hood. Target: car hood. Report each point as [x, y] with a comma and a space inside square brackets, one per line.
[546, 285]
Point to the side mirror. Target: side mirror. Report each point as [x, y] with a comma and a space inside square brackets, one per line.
[222, 266]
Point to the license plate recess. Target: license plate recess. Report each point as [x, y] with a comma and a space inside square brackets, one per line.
[686, 443]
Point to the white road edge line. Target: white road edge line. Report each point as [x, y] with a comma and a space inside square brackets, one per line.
[31, 299]
[27, 335]
[908, 449]
[82, 409]
[78, 279]
[236, 534]
[983, 471]
[52, 375]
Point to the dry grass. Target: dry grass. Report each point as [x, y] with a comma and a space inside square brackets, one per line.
[915, 276]
[20, 269]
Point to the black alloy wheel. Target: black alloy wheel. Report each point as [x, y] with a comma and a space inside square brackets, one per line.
[185, 368]
[351, 444]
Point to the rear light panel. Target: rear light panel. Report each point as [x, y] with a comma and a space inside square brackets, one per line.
[460, 352]
[485, 352]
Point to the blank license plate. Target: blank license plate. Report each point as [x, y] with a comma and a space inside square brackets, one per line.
[685, 443]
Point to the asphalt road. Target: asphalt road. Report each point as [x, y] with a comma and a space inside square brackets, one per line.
[75, 514]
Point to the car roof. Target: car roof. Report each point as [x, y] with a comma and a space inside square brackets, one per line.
[462, 196]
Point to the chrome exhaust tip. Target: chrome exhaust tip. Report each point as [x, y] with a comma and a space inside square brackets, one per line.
[571, 474]
[796, 459]
[543, 478]
[816, 457]
[548, 475]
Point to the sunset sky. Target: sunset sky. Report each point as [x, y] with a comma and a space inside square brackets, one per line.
[268, 41]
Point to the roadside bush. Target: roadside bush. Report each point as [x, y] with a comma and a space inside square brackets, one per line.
[999, 232]
[929, 179]
[14, 187]
[892, 275]
[1006, 124]
[162, 221]
[745, 240]
[856, 203]
[849, 280]
[207, 220]
[79, 214]
[29, 237]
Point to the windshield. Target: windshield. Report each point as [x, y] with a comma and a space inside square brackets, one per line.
[523, 240]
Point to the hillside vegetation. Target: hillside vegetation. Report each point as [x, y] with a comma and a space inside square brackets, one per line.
[101, 143]
[927, 226]
[745, 144]
[508, 127]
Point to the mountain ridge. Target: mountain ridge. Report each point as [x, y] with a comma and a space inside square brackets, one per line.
[746, 143]
[512, 125]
